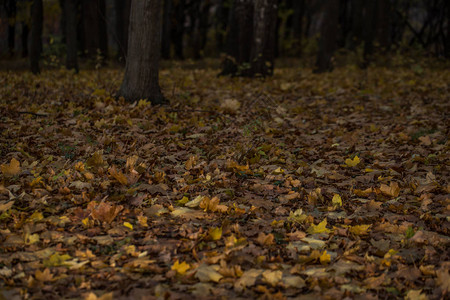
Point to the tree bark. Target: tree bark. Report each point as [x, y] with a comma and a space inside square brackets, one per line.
[328, 33]
[166, 28]
[239, 35]
[297, 23]
[357, 10]
[122, 23]
[95, 35]
[11, 12]
[383, 24]
[25, 32]
[70, 12]
[264, 42]
[178, 27]
[37, 16]
[144, 47]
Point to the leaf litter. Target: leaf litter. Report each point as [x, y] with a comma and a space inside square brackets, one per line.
[301, 185]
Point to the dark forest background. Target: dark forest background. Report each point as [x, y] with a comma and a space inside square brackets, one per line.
[317, 31]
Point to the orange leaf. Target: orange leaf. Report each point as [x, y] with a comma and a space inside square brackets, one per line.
[12, 169]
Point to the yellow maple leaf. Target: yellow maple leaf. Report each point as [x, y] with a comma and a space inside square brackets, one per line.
[180, 268]
[319, 228]
[337, 200]
[325, 258]
[352, 162]
[359, 229]
[215, 233]
[12, 169]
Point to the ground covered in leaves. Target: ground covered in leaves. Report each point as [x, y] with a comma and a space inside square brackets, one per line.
[300, 186]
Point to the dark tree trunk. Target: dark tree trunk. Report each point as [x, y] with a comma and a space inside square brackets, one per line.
[166, 28]
[37, 16]
[447, 38]
[144, 48]
[11, 12]
[264, 38]
[70, 13]
[222, 16]
[94, 27]
[297, 23]
[369, 30]
[25, 32]
[357, 10]
[383, 24]
[122, 22]
[199, 13]
[178, 28]
[328, 33]
[239, 37]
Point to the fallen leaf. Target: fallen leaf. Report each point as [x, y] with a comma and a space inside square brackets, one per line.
[12, 169]
[207, 273]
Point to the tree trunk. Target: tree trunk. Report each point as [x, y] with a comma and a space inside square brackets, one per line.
[178, 28]
[369, 30]
[37, 16]
[357, 10]
[239, 35]
[166, 28]
[264, 41]
[144, 47]
[297, 23]
[447, 38]
[328, 33]
[122, 23]
[221, 22]
[70, 12]
[94, 27]
[25, 32]
[383, 25]
[11, 12]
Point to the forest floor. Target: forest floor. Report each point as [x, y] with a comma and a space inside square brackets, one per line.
[301, 186]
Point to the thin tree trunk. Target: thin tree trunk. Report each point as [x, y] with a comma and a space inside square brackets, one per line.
[297, 23]
[37, 16]
[239, 35]
[11, 12]
[166, 28]
[25, 32]
[178, 28]
[369, 31]
[357, 9]
[383, 25]
[70, 11]
[447, 38]
[122, 22]
[264, 38]
[328, 33]
[94, 27]
[144, 48]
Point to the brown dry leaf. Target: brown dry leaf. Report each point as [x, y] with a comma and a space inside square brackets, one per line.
[392, 190]
[13, 168]
[43, 276]
[92, 296]
[96, 160]
[104, 212]
[265, 239]
[119, 176]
